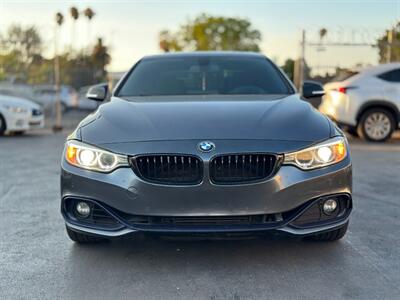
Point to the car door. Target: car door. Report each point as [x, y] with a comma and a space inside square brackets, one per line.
[391, 86]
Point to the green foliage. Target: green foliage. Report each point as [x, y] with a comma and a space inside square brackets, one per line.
[288, 68]
[21, 43]
[20, 58]
[395, 49]
[212, 33]
[99, 59]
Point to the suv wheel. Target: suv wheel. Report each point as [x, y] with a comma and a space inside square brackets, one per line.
[330, 236]
[2, 125]
[81, 238]
[376, 125]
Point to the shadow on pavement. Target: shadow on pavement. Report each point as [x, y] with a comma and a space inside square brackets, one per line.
[270, 251]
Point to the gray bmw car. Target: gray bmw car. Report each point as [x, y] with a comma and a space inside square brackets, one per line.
[205, 143]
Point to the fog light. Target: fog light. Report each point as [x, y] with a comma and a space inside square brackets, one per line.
[83, 209]
[329, 206]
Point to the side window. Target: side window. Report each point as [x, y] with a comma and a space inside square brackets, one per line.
[392, 76]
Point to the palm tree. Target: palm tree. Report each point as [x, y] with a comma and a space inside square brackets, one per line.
[75, 15]
[322, 33]
[57, 125]
[89, 13]
[59, 18]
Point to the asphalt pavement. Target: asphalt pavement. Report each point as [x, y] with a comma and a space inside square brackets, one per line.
[38, 261]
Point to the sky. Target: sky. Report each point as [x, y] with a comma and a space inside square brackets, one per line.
[130, 28]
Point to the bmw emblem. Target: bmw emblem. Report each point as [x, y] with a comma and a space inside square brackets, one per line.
[206, 146]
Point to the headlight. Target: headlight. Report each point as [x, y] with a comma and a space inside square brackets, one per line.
[16, 109]
[91, 158]
[324, 154]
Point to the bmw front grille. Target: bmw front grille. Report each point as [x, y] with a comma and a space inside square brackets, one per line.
[178, 169]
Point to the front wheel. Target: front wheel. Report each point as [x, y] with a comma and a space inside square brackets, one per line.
[330, 236]
[20, 132]
[376, 125]
[81, 238]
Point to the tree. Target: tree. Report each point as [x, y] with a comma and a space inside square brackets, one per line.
[79, 68]
[288, 68]
[89, 14]
[23, 43]
[382, 44]
[75, 16]
[100, 59]
[59, 18]
[168, 42]
[322, 33]
[292, 70]
[74, 13]
[212, 33]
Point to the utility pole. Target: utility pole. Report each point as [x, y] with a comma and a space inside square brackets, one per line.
[302, 61]
[389, 46]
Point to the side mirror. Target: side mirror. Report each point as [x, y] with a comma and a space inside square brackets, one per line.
[312, 89]
[97, 92]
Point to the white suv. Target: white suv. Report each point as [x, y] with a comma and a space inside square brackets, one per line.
[367, 103]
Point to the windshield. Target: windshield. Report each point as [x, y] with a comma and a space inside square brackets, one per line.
[204, 76]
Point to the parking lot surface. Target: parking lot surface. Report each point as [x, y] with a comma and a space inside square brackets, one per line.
[38, 261]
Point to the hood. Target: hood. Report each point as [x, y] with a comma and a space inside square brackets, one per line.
[16, 101]
[205, 118]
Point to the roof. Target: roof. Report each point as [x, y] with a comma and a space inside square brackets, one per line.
[380, 68]
[205, 54]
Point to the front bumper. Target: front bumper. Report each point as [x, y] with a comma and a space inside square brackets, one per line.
[296, 222]
[286, 230]
[289, 190]
[23, 121]
[17, 121]
[36, 122]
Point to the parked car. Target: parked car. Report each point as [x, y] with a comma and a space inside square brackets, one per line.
[17, 90]
[18, 115]
[367, 103]
[46, 96]
[205, 143]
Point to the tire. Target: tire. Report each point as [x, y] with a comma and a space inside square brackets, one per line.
[2, 125]
[330, 236]
[21, 132]
[384, 120]
[81, 238]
